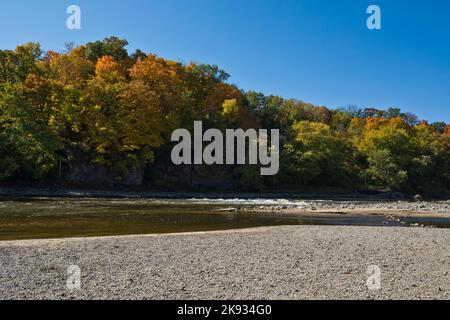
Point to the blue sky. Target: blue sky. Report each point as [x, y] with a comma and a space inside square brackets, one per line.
[319, 51]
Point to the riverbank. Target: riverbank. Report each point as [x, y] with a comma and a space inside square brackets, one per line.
[30, 191]
[360, 207]
[298, 262]
[282, 202]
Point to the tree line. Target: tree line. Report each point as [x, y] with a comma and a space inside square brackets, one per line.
[97, 106]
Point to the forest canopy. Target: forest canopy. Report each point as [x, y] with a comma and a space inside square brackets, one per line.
[96, 114]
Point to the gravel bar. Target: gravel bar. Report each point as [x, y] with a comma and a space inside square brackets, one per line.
[295, 262]
[421, 207]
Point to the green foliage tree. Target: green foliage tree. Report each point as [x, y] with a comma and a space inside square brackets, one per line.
[111, 46]
[319, 156]
[27, 146]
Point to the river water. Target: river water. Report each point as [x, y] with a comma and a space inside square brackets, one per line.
[41, 218]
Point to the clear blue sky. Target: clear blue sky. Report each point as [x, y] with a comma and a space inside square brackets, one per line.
[319, 51]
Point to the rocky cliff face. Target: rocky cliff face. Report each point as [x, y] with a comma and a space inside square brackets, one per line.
[167, 176]
[91, 175]
[198, 177]
[84, 174]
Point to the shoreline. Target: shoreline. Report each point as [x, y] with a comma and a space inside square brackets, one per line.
[382, 211]
[69, 192]
[56, 241]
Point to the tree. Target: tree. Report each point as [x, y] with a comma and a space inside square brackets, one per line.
[356, 127]
[373, 113]
[392, 113]
[230, 108]
[70, 69]
[410, 118]
[141, 121]
[319, 156]
[384, 170]
[111, 46]
[429, 170]
[341, 120]
[388, 150]
[16, 65]
[439, 127]
[27, 146]
[164, 79]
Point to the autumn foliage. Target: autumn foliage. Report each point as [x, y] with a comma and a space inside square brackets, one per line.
[96, 106]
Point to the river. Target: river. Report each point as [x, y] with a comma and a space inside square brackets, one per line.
[42, 218]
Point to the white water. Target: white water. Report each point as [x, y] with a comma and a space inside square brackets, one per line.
[239, 202]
